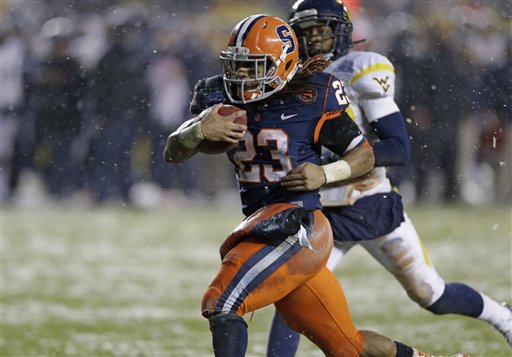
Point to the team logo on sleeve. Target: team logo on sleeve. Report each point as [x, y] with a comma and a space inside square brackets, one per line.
[383, 82]
[308, 95]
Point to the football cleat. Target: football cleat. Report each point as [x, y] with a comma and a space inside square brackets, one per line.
[505, 326]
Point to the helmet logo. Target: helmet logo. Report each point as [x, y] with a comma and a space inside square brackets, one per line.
[285, 35]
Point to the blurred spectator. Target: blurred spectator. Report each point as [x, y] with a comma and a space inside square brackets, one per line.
[444, 112]
[169, 99]
[408, 53]
[495, 141]
[122, 99]
[60, 80]
[483, 49]
[453, 86]
[12, 100]
[443, 69]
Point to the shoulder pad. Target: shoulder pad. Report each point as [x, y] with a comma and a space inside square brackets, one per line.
[207, 92]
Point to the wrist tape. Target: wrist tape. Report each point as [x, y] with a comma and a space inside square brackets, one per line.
[337, 171]
[191, 136]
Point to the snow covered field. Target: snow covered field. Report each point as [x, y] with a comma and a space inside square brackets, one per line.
[126, 282]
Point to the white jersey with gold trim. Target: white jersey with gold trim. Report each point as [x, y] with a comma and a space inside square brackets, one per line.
[369, 80]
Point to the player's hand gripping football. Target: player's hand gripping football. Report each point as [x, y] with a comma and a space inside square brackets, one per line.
[305, 177]
[216, 127]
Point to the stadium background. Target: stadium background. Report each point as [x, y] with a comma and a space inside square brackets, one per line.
[112, 262]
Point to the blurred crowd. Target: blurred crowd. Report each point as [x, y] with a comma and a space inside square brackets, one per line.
[90, 90]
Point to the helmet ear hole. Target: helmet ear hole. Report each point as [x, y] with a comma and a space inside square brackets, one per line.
[288, 64]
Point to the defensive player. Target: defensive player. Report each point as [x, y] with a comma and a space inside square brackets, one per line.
[368, 211]
[278, 253]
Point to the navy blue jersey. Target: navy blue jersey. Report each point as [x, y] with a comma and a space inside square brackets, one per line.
[287, 130]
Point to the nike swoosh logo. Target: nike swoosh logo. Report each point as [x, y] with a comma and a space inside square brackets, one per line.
[286, 117]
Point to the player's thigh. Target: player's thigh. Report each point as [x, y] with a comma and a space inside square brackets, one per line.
[291, 269]
[403, 254]
[400, 250]
[318, 309]
[256, 273]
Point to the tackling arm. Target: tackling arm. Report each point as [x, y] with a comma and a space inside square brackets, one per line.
[342, 136]
[375, 91]
[393, 147]
[360, 159]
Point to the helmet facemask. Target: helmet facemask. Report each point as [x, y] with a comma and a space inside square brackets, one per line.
[250, 77]
[336, 28]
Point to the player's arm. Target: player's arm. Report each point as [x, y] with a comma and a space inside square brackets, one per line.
[209, 125]
[341, 135]
[393, 147]
[376, 91]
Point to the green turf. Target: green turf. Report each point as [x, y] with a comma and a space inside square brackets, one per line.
[114, 282]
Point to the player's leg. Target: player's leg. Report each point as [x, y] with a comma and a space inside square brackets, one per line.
[376, 345]
[229, 335]
[318, 310]
[257, 272]
[362, 220]
[403, 254]
[282, 340]
[339, 251]
[229, 330]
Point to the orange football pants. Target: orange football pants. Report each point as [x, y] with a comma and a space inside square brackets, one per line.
[257, 272]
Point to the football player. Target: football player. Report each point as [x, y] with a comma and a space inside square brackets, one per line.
[278, 254]
[368, 211]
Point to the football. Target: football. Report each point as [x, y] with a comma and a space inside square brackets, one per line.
[219, 147]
